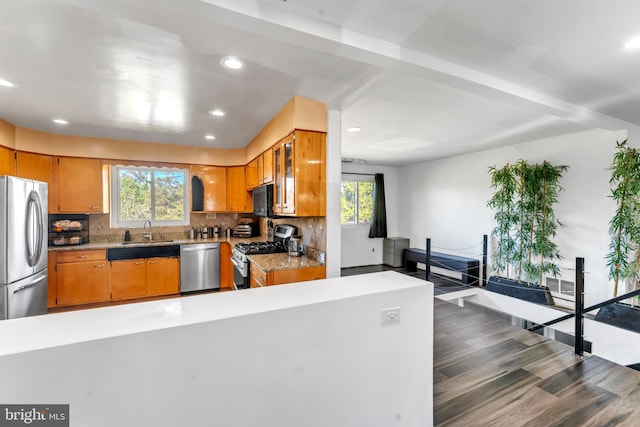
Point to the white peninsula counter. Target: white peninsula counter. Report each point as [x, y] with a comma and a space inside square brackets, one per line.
[313, 354]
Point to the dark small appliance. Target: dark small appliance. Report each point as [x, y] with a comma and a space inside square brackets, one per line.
[263, 201]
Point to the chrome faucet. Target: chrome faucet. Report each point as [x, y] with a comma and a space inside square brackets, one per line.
[145, 234]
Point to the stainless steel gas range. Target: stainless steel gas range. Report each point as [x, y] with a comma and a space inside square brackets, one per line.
[281, 235]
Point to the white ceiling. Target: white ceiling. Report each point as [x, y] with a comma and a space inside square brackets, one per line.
[424, 79]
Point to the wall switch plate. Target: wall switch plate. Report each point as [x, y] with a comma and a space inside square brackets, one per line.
[390, 315]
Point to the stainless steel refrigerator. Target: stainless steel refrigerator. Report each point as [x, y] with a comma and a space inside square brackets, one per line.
[23, 247]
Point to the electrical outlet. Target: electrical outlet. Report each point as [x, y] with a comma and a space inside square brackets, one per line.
[390, 315]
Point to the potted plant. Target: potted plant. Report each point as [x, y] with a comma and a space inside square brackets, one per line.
[526, 224]
[623, 258]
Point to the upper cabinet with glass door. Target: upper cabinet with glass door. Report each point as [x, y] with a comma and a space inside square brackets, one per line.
[300, 174]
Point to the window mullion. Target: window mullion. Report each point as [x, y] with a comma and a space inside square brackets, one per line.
[357, 214]
[152, 208]
[117, 196]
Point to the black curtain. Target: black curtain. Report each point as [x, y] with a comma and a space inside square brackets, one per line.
[379, 220]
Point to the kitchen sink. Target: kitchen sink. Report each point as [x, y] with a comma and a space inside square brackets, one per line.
[149, 251]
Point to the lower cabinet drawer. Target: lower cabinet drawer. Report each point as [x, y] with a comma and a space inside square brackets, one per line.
[79, 256]
[258, 276]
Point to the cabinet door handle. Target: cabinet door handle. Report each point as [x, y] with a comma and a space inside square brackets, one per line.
[138, 263]
[81, 256]
[153, 262]
[98, 266]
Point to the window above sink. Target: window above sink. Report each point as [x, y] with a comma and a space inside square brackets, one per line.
[149, 193]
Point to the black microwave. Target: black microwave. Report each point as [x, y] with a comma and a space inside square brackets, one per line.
[263, 200]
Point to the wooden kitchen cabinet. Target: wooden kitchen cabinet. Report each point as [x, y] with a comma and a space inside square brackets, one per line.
[81, 185]
[265, 167]
[251, 175]
[128, 278]
[81, 277]
[226, 266]
[285, 183]
[281, 277]
[260, 170]
[300, 175]
[259, 277]
[212, 180]
[238, 198]
[38, 167]
[135, 278]
[163, 276]
[52, 285]
[7, 161]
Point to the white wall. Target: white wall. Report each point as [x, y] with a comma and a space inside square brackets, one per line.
[446, 200]
[334, 151]
[357, 248]
[311, 354]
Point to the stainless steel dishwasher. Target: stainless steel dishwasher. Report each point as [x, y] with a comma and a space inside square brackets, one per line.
[199, 267]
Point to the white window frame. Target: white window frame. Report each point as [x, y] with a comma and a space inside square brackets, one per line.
[355, 178]
[115, 198]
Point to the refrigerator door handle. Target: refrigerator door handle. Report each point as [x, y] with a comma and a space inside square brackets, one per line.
[22, 288]
[34, 254]
[29, 285]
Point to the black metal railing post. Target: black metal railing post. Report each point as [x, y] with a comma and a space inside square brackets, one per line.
[484, 260]
[579, 329]
[427, 266]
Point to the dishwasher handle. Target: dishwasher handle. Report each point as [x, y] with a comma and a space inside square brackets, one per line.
[199, 247]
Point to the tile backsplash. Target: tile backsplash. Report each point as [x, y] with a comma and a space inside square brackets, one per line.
[100, 230]
[312, 229]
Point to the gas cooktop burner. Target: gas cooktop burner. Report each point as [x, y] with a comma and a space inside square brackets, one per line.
[255, 248]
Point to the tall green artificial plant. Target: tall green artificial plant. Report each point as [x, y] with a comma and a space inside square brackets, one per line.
[623, 259]
[526, 223]
[547, 184]
[505, 186]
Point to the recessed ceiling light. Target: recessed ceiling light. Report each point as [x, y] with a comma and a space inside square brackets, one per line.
[232, 62]
[60, 121]
[216, 112]
[7, 83]
[634, 43]
[210, 137]
[354, 129]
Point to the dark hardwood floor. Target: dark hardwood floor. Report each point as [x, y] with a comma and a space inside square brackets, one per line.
[489, 373]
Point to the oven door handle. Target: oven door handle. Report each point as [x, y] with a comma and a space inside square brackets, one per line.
[236, 263]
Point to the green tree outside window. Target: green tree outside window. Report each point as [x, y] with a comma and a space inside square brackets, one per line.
[356, 202]
[141, 193]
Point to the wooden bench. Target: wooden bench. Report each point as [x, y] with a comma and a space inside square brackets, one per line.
[468, 267]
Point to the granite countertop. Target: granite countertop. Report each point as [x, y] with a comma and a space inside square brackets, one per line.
[282, 261]
[108, 245]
